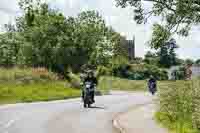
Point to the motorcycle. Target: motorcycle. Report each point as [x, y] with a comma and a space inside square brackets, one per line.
[87, 98]
[152, 88]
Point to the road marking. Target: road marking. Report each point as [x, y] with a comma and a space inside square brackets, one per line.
[10, 123]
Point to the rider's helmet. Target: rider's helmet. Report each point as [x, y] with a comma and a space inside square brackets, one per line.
[90, 73]
[151, 77]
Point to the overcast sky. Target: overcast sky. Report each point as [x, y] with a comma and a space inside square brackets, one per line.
[120, 19]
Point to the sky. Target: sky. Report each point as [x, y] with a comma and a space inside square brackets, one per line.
[120, 19]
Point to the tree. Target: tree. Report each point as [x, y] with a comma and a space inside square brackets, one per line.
[189, 62]
[151, 58]
[9, 46]
[178, 17]
[197, 62]
[167, 55]
[44, 37]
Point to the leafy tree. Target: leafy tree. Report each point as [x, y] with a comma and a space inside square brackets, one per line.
[44, 37]
[167, 55]
[159, 37]
[9, 46]
[178, 17]
[189, 62]
[151, 58]
[197, 62]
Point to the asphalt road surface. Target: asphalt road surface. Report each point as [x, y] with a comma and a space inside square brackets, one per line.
[68, 116]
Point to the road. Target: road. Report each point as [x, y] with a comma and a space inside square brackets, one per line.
[68, 116]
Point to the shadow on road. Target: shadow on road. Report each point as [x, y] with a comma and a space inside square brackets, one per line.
[96, 107]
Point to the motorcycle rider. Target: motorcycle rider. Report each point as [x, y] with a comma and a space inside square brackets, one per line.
[90, 78]
[152, 81]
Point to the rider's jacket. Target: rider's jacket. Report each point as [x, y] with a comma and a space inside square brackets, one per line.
[93, 80]
[152, 80]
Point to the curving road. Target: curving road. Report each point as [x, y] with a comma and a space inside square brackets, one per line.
[68, 116]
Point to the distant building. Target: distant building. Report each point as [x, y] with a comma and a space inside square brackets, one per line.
[130, 46]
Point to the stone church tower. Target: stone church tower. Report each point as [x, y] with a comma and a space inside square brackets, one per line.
[130, 44]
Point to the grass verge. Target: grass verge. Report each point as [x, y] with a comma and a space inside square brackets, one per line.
[106, 83]
[179, 106]
[47, 91]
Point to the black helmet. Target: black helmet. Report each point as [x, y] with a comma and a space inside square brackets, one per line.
[90, 72]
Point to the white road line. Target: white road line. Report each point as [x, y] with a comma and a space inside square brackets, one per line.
[10, 123]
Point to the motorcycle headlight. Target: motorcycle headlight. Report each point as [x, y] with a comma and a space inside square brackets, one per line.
[87, 86]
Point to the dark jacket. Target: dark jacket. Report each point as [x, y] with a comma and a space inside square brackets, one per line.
[152, 80]
[92, 79]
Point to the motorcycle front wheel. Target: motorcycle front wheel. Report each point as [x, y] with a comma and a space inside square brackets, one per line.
[89, 105]
[84, 105]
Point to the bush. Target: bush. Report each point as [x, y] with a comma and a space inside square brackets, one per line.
[179, 106]
[26, 75]
[103, 71]
[75, 81]
[140, 72]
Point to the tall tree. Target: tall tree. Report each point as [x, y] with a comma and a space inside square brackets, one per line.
[167, 53]
[178, 16]
[197, 62]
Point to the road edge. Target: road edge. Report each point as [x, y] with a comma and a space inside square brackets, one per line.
[116, 122]
[117, 125]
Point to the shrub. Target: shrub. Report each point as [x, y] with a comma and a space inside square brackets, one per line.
[179, 105]
[103, 71]
[196, 103]
[75, 81]
[26, 75]
[140, 72]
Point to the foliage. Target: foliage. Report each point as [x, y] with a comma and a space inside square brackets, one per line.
[197, 62]
[140, 72]
[151, 58]
[189, 62]
[159, 37]
[178, 15]
[165, 55]
[45, 37]
[121, 84]
[14, 93]
[26, 75]
[103, 71]
[137, 60]
[75, 81]
[179, 74]
[178, 102]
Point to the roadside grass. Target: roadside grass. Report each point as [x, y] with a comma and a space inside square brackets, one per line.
[130, 85]
[24, 75]
[33, 84]
[179, 106]
[23, 89]
[106, 83]
[176, 126]
[47, 91]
